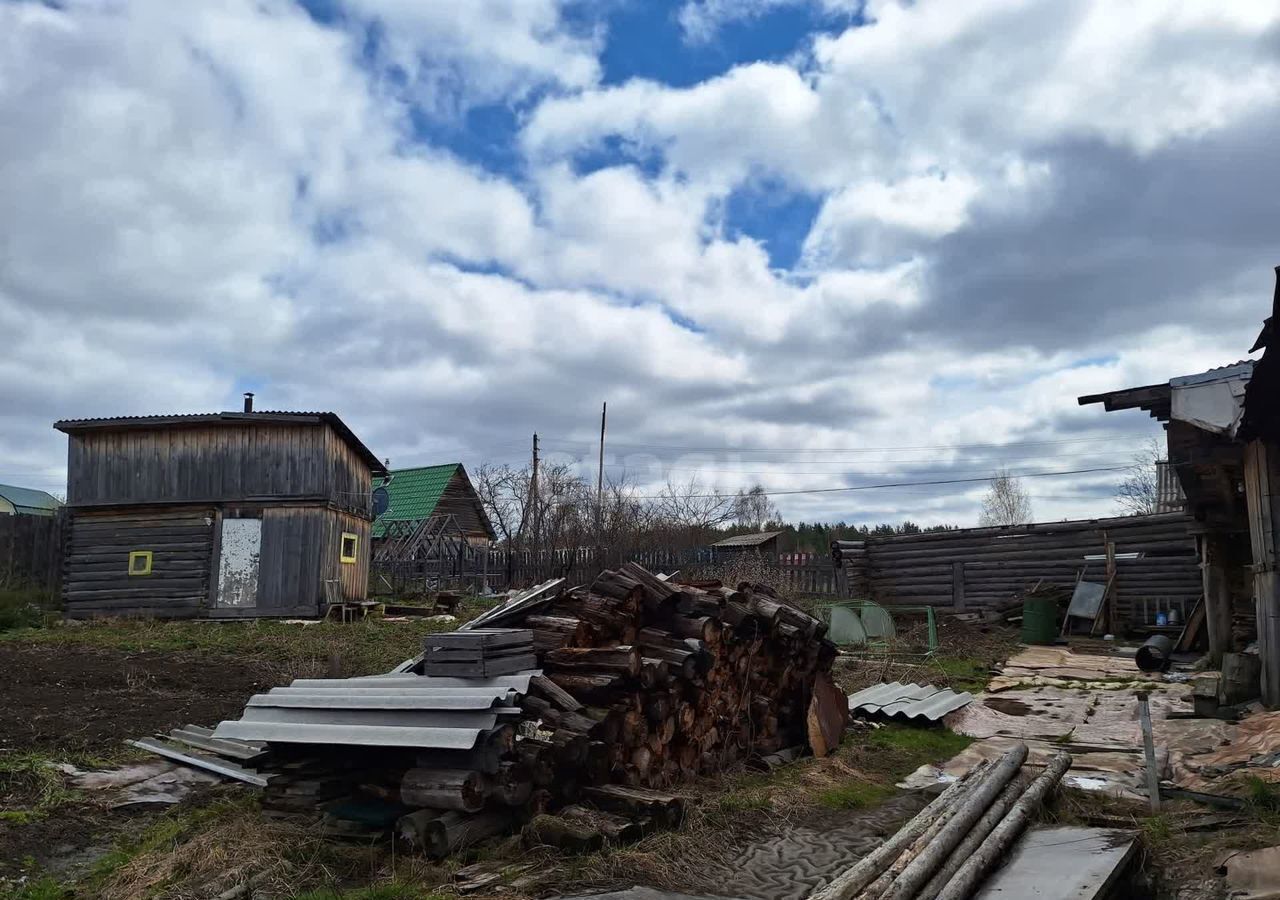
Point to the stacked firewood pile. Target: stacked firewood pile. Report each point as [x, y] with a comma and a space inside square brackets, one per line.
[649, 683]
[644, 684]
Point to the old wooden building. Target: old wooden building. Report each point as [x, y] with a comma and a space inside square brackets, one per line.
[222, 515]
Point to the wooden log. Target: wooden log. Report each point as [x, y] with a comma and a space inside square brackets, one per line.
[851, 882]
[553, 632]
[452, 831]
[455, 789]
[571, 747]
[597, 687]
[513, 784]
[973, 840]
[615, 828]
[984, 793]
[1002, 837]
[558, 696]
[657, 593]
[621, 660]
[565, 834]
[538, 758]
[667, 808]
[704, 628]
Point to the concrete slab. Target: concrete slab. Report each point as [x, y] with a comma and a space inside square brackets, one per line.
[1062, 863]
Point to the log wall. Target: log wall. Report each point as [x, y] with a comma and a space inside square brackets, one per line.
[984, 567]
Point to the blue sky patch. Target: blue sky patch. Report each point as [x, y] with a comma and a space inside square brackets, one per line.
[776, 216]
[645, 41]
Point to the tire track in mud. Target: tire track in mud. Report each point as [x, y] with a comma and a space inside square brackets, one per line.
[792, 862]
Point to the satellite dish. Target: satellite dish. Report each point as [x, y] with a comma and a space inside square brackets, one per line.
[381, 501]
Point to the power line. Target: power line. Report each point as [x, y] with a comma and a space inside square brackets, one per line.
[901, 470]
[730, 449]
[901, 484]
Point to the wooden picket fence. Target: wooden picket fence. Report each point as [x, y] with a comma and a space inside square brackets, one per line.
[31, 553]
[800, 574]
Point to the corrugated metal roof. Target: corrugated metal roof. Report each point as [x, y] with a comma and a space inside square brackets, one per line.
[748, 540]
[29, 501]
[415, 494]
[74, 426]
[384, 711]
[908, 701]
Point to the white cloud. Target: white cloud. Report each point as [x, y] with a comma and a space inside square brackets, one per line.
[701, 19]
[199, 198]
[459, 54]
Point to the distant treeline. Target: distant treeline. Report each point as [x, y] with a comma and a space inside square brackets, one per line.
[816, 537]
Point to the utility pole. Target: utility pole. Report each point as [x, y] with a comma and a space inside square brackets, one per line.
[533, 493]
[604, 411]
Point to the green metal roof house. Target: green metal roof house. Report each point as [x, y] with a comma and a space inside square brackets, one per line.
[19, 501]
[427, 491]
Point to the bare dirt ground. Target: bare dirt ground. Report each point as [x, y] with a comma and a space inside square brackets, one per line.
[89, 700]
[77, 694]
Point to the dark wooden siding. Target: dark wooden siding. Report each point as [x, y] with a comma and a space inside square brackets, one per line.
[461, 501]
[289, 575]
[223, 463]
[354, 576]
[96, 578]
[301, 549]
[31, 552]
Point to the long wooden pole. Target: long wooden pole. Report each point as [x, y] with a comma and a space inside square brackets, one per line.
[850, 882]
[975, 868]
[533, 498]
[921, 869]
[1149, 748]
[604, 410]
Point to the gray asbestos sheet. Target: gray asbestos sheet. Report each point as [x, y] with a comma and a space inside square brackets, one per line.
[1062, 863]
[907, 701]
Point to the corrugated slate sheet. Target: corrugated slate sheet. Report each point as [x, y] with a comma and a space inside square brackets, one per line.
[907, 701]
[382, 711]
[748, 540]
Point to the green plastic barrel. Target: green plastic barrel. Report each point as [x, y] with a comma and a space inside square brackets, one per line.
[1039, 620]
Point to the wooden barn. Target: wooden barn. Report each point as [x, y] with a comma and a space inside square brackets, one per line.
[221, 515]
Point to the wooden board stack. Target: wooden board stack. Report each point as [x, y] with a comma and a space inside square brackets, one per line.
[478, 654]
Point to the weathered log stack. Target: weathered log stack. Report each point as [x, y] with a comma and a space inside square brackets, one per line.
[646, 683]
[657, 682]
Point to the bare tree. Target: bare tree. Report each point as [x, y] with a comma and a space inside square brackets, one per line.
[691, 508]
[753, 509]
[1138, 494]
[1006, 502]
[504, 493]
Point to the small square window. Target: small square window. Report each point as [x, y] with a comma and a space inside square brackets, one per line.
[350, 543]
[139, 562]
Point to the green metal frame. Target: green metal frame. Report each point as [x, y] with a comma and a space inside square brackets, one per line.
[824, 610]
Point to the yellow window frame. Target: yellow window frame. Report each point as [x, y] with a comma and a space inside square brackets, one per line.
[351, 557]
[136, 556]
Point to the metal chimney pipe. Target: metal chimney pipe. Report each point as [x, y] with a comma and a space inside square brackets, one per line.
[248, 401]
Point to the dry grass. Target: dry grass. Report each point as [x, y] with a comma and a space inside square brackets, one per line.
[199, 852]
[966, 657]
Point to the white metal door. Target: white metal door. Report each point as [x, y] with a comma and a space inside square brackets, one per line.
[238, 563]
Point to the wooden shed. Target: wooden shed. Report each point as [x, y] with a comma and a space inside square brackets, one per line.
[221, 515]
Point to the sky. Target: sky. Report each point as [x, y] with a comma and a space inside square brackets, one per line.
[810, 244]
